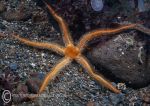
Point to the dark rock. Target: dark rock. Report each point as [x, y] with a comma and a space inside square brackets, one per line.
[38, 75]
[16, 15]
[33, 85]
[2, 7]
[21, 88]
[126, 57]
[21, 94]
[2, 27]
[13, 66]
[38, 18]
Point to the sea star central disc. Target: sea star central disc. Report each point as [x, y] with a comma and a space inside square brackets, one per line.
[71, 51]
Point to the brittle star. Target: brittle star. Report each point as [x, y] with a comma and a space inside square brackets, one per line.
[71, 51]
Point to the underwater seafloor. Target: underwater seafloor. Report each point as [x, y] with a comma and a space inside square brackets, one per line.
[22, 68]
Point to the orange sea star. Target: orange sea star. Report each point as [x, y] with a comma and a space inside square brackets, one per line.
[72, 52]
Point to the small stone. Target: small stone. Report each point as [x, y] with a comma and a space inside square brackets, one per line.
[90, 103]
[121, 86]
[33, 65]
[146, 99]
[116, 98]
[105, 100]
[114, 84]
[42, 55]
[13, 66]
[41, 76]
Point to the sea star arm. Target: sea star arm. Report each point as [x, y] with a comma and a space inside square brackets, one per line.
[84, 62]
[55, 70]
[62, 24]
[41, 45]
[97, 33]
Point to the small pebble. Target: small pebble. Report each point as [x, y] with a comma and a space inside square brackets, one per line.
[90, 103]
[116, 98]
[121, 86]
[114, 84]
[105, 100]
[13, 66]
[33, 65]
[42, 54]
[41, 75]
[146, 99]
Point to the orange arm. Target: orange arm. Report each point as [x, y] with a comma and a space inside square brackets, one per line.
[97, 33]
[51, 46]
[84, 62]
[52, 74]
[62, 24]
